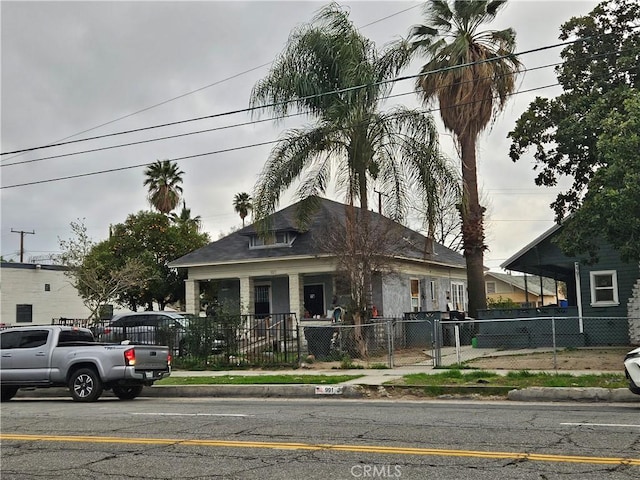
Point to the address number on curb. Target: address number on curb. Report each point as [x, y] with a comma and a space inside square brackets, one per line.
[328, 390]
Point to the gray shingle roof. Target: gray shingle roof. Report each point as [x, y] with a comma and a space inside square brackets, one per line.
[235, 247]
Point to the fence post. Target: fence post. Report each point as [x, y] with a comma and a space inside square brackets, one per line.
[553, 334]
[285, 320]
[456, 330]
[437, 342]
[390, 334]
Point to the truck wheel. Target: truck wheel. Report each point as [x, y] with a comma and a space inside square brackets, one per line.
[127, 393]
[7, 393]
[85, 385]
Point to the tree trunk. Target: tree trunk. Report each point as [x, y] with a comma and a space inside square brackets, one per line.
[472, 228]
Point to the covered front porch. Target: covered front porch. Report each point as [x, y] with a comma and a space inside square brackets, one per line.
[306, 295]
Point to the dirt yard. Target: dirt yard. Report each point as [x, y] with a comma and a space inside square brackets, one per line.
[596, 359]
[608, 359]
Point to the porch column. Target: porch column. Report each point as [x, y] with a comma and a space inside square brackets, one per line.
[192, 296]
[246, 296]
[296, 295]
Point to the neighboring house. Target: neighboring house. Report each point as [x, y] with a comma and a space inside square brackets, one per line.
[524, 290]
[33, 293]
[292, 270]
[606, 289]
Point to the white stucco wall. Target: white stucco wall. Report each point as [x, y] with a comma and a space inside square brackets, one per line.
[22, 283]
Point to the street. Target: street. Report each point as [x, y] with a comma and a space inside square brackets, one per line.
[201, 438]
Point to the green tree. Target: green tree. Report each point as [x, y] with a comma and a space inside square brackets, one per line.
[242, 205]
[573, 135]
[611, 207]
[154, 241]
[335, 75]
[97, 282]
[471, 73]
[163, 179]
[185, 220]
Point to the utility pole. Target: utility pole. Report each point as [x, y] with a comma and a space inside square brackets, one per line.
[379, 200]
[22, 234]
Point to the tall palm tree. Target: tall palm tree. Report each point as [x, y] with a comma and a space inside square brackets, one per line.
[242, 204]
[335, 75]
[471, 72]
[185, 220]
[163, 179]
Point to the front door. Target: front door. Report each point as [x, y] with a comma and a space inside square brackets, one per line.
[262, 304]
[314, 300]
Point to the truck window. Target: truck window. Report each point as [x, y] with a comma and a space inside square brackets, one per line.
[33, 338]
[67, 336]
[9, 339]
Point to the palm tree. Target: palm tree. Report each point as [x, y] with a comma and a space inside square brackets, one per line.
[242, 204]
[163, 179]
[471, 73]
[322, 72]
[185, 220]
[335, 75]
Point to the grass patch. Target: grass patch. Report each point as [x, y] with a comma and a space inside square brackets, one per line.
[258, 380]
[521, 379]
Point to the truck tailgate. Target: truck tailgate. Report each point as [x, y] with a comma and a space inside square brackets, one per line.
[151, 357]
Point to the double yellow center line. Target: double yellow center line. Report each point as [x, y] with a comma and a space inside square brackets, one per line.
[536, 457]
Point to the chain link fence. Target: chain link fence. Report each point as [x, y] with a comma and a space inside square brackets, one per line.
[541, 343]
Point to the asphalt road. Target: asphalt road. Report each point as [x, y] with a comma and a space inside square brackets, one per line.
[204, 438]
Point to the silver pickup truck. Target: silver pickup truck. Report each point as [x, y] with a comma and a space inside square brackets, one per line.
[58, 356]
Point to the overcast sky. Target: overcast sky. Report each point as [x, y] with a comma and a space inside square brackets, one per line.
[69, 67]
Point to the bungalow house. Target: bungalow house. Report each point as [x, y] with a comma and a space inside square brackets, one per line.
[36, 294]
[294, 270]
[523, 290]
[606, 290]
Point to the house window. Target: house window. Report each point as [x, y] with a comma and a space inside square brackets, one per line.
[24, 313]
[491, 287]
[415, 295]
[277, 239]
[47, 287]
[433, 290]
[458, 297]
[604, 288]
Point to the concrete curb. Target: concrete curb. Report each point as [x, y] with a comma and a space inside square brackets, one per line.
[365, 391]
[251, 391]
[573, 394]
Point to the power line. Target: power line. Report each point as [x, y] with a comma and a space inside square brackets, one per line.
[206, 86]
[252, 122]
[334, 92]
[197, 132]
[215, 152]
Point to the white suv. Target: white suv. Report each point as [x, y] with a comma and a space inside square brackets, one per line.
[632, 370]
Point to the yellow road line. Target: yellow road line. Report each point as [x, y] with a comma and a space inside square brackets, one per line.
[537, 457]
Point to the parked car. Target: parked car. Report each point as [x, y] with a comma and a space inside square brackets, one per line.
[159, 328]
[632, 370]
[56, 356]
